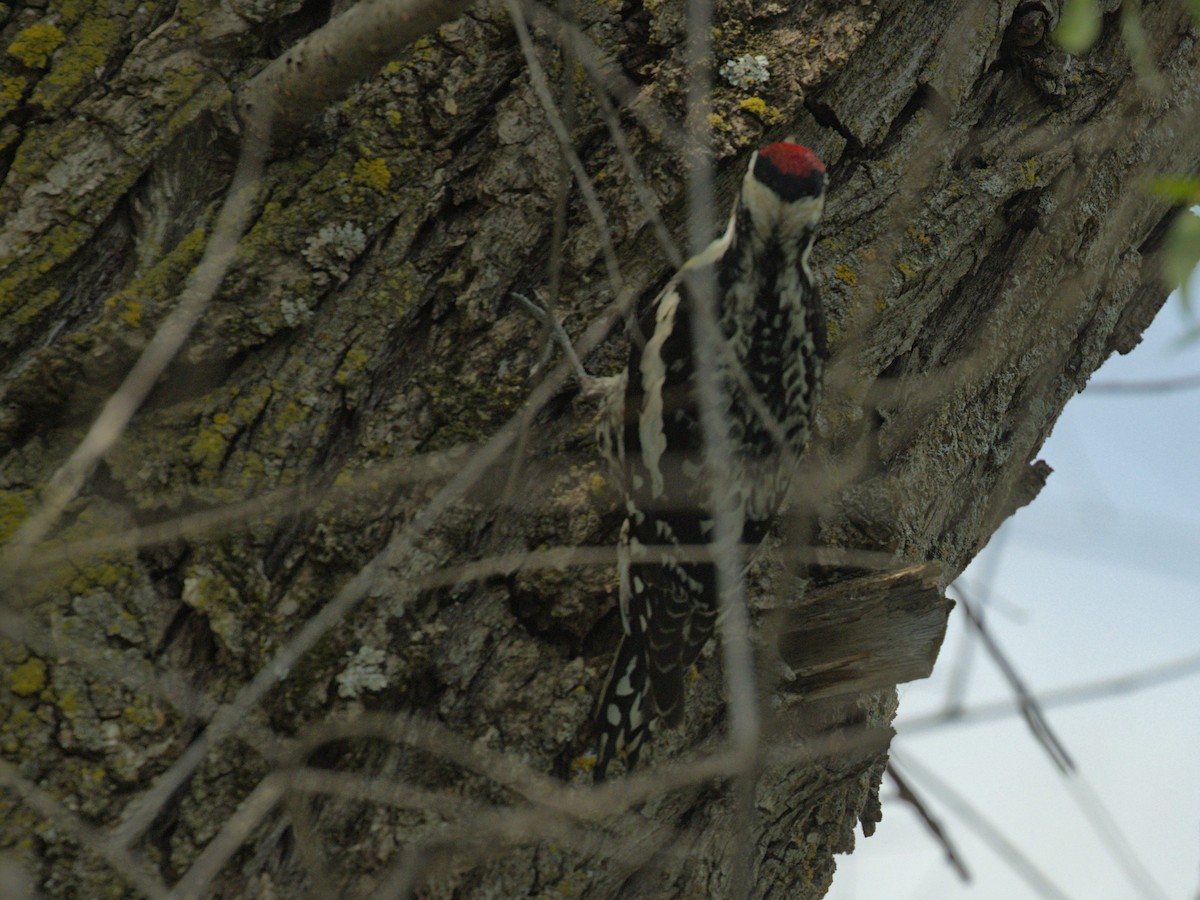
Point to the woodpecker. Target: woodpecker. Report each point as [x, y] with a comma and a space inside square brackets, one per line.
[769, 361]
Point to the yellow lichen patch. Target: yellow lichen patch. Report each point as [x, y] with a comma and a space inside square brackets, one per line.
[845, 274]
[11, 88]
[33, 305]
[181, 88]
[111, 576]
[354, 362]
[758, 106]
[399, 288]
[34, 46]
[208, 447]
[906, 270]
[13, 511]
[17, 728]
[291, 415]
[918, 236]
[143, 714]
[85, 574]
[28, 678]
[79, 62]
[423, 49]
[130, 311]
[192, 10]
[1028, 172]
[219, 422]
[583, 764]
[158, 283]
[716, 123]
[68, 702]
[372, 173]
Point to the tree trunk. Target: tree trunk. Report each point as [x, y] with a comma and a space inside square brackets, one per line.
[311, 627]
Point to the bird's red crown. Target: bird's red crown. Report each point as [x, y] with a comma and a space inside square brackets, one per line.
[792, 159]
[790, 171]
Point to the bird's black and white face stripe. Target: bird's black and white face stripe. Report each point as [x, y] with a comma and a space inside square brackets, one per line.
[784, 190]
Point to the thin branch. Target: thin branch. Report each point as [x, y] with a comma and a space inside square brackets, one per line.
[1095, 813]
[319, 69]
[583, 802]
[608, 73]
[602, 72]
[989, 833]
[745, 727]
[541, 87]
[931, 822]
[300, 497]
[309, 847]
[553, 808]
[1086, 692]
[1031, 710]
[1106, 827]
[961, 675]
[1133, 388]
[235, 832]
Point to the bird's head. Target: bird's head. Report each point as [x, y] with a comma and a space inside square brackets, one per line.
[784, 190]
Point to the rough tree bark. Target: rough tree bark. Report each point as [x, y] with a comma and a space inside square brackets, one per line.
[987, 246]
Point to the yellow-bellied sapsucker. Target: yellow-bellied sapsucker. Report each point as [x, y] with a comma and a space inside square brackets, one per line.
[770, 363]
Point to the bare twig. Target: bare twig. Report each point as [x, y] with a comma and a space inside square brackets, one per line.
[1137, 388]
[1031, 709]
[1104, 824]
[541, 87]
[1096, 814]
[235, 832]
[1087, 692]
[745, 726]
[607, 72]
[603, 72]
[1037, 880]
[300, 497]
[325, 64]
[931, 822]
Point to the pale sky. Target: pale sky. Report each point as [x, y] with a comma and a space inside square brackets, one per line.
[1099, 577]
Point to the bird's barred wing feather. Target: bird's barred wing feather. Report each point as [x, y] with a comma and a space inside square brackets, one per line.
[668, 606]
